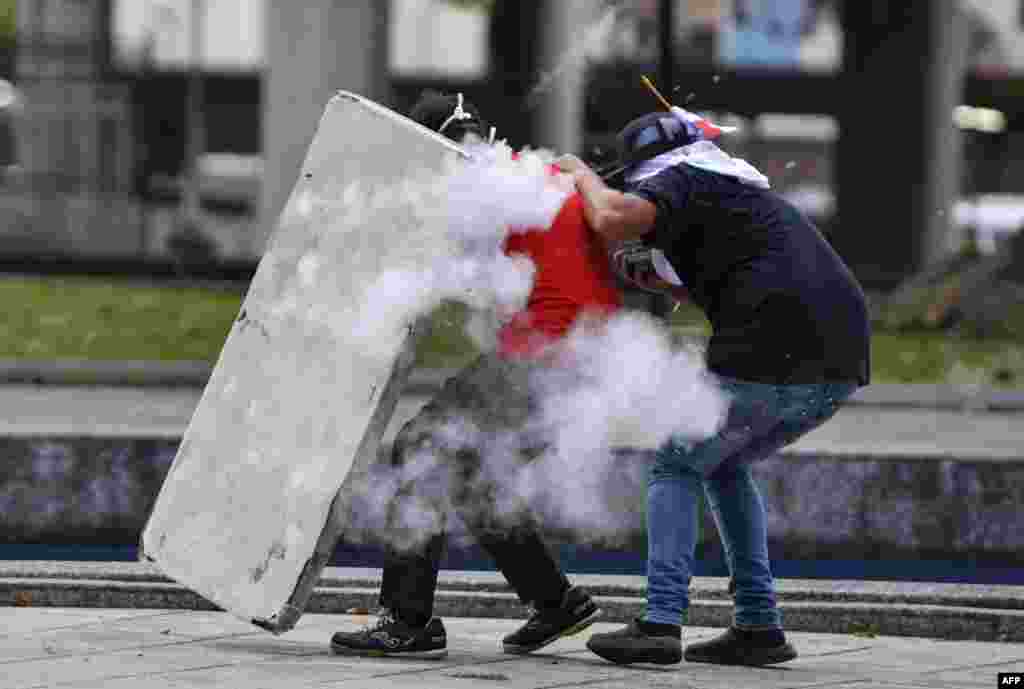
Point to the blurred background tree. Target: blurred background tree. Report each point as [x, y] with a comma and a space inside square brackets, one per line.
[485, 5]
[8, 25]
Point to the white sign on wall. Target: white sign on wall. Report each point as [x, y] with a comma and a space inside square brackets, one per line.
[233, 34]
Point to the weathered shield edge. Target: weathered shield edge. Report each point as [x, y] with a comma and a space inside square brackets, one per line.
[286, 618]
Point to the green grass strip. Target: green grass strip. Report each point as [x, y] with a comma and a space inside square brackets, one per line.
[103, 319]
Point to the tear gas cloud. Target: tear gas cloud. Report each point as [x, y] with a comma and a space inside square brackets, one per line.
[622, 383]
[465, 216]
[440, 238]
[625, 386]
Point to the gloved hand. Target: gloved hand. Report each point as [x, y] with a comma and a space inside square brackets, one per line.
[632, 262]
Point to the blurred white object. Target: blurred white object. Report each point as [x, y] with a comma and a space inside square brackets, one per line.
[994, 217]
[9, 95]
[230, 177]
[814, 200]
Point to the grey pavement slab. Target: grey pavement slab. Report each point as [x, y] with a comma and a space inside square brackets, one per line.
[857, 430]
[940, 396]
[57, 648]
[918, 433]
[119, 412]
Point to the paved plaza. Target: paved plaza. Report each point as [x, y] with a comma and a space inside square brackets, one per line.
[111, 649]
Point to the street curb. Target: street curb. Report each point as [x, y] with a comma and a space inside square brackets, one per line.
[989, 617]
[993, 596]
[112, 373]
[426, 382]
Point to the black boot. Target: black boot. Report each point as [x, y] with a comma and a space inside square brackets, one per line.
[743, 647]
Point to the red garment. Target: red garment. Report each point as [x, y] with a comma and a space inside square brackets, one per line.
[572, 276]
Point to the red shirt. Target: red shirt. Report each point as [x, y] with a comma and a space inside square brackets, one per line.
[572, 276]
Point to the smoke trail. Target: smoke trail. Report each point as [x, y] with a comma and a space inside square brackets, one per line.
[576, 57]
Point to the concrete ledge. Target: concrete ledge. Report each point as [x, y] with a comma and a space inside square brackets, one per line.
[940, 397]
[426, 382]
[710, 588]
[99, 491]
[955, 612]
[61, 593]
[91, 372]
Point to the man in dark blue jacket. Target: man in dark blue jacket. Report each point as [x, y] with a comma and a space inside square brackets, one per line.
[790, 343]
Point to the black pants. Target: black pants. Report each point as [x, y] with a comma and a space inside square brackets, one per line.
[461, 450]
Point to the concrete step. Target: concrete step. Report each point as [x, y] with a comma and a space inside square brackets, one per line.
[938, 611]
[614, 585]
[425, 382]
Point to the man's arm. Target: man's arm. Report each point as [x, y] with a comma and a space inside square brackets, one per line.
[612, 214]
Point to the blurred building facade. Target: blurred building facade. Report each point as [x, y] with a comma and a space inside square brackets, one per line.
[101, 140]
[72, 186]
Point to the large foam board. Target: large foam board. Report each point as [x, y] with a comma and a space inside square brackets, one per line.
[249, 511]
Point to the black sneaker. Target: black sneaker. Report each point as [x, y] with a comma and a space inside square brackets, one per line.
[577, 612]
[743, 647]
[640, 642]
[393, 637]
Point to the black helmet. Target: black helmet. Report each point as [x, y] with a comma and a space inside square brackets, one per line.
[655, 133]
[450, 115]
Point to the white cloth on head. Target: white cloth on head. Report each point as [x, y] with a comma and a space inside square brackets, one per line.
[704, 155]
[702, 127]
[457, 115]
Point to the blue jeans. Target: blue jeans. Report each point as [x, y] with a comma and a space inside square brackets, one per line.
[762, 419]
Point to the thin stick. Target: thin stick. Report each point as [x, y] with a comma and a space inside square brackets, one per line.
[661, 98]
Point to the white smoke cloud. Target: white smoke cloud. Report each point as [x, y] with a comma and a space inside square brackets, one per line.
[623, 386]
[462, 219]
[620, 384]
[636, 388]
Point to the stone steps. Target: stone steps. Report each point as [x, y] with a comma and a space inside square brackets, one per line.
[938, 611]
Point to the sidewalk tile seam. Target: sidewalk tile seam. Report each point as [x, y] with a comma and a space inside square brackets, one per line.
[977, 666]
[82, 625]
[840, 651]
[134, 675]
[127, 649]
[445, 665]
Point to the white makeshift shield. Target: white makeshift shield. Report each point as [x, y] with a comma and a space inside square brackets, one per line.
[250, 510]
